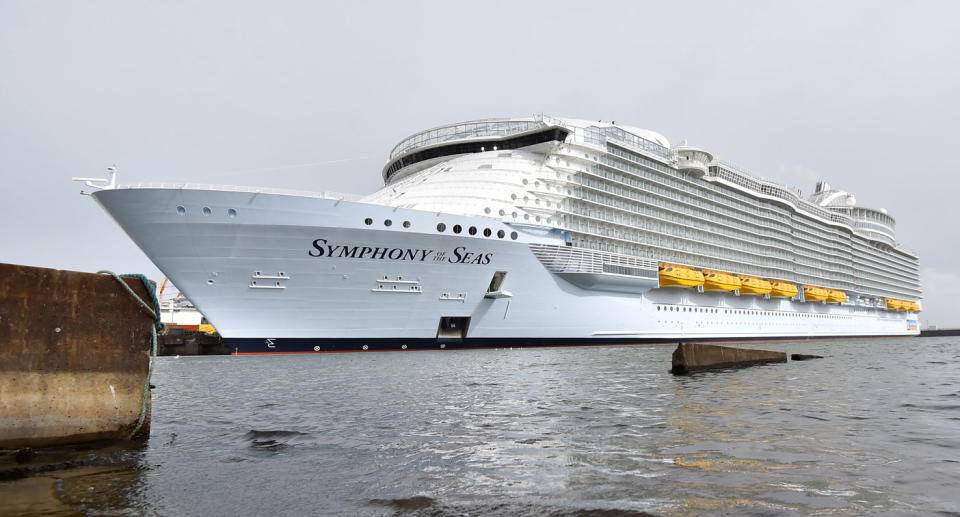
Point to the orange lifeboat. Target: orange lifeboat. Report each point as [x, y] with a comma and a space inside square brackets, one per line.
[719, 281]
[894, 304]
[683, 277]
[812, 293]
[836, 296]
[754, 286]
[783, 289]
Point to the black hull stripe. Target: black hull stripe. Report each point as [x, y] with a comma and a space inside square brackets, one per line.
[257, 346]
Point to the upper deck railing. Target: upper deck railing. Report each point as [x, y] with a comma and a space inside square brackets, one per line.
[466, 130]
[602, 135]
[251, 190]
[499, 128]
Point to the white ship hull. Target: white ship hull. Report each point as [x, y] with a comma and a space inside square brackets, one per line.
[287, 273]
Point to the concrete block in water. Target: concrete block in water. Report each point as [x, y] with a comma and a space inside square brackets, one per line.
[74, 355]
[692, 357]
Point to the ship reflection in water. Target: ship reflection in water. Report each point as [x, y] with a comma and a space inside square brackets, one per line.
[869, 429]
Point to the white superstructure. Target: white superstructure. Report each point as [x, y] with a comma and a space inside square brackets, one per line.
[527, 231]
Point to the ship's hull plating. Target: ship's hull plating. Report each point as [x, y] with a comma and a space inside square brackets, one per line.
[284, 274]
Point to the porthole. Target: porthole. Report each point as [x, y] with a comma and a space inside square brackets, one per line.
[181, 210]
[658, 307]
[457, 228]
[513, 235]
[486, 210]
[206, 211]
[487, 232]
[501, 233]
[231, 213]
[525, 181]
[502, 213]
[387, 222]
[210, 282]
[472, 230]
[406, 224]
[441, 227]
[368, 221]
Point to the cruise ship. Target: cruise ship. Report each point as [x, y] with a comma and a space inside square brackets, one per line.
[532, 231]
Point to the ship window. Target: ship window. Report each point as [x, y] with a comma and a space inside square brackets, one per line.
[368, 221]
[387, 222]
[206, 211]
[473, 230]
[487, 232]
[486, 210]
[232, 213]
[513, 235]
[441, 227]
[406, 224]
[502, 213]
[457, 228]
[181, 210]
[500, 233]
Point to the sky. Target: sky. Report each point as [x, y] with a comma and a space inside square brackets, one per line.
[313, 95]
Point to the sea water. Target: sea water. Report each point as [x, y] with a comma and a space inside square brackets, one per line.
[873, 428]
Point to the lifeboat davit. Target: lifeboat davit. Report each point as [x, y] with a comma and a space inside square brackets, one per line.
[754, 286]
[836, 296]
[783, 289]
[812, 293]
[679, 276]
[719, 281]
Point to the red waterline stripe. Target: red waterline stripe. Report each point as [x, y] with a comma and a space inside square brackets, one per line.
[670, 342]
[673, 342]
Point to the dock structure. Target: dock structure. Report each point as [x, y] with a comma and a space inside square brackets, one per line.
[694, 357]
[74, 357]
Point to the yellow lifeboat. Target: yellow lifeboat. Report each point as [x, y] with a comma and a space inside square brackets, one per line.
[812, 293]
[914, 307]
[719, 281]
[894, 304]
[783, 289]
[754, 286]
[836, 296]
[682, 277]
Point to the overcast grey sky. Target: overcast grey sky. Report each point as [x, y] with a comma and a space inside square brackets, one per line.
[862, 94]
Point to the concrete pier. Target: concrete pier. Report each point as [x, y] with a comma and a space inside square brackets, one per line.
[693, 357]
[74, 356]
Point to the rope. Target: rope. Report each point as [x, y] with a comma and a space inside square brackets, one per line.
[158, 326]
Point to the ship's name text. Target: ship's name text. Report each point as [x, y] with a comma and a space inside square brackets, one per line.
[459, 255]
